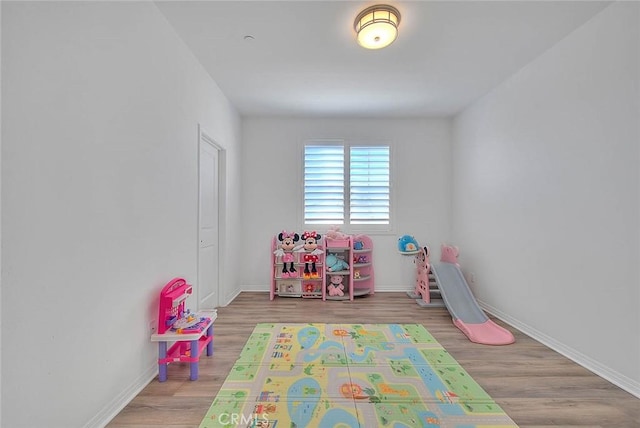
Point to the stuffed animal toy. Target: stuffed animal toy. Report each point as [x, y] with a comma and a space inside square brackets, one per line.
[449, 254]
[335, 287]
[310, 244]
[407, 244]
[334, 233]
[362, 259]
[356, 274]
[285, 250]
[335, 264]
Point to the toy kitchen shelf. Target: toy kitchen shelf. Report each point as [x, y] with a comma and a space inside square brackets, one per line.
[188, 333]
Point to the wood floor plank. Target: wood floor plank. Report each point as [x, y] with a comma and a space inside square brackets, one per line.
[535, 385]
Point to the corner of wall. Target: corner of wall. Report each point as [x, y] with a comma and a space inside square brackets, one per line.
[0, 215]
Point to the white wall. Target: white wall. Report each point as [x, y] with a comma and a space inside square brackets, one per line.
[272, 197]
[0, 220]
[100, 110]
[546, 196]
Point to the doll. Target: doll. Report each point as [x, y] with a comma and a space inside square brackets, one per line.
[311, 252]
[285, 250]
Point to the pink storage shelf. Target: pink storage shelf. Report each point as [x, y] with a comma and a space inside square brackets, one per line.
[337, 243]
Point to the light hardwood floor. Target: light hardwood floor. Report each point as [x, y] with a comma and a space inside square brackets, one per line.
[536, 386]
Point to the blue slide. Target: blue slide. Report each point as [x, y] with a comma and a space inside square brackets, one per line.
[463, 307]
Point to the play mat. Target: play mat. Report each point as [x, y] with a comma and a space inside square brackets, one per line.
[349, 375]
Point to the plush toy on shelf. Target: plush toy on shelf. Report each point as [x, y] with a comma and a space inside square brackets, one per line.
[362, 259]
[309, 246]
[335, 287]
[334, 233]
[334, 263]
[285, 251]
[407, 244]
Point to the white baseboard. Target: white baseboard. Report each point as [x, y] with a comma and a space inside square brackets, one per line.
[265, 289]
[111, 410]
[395, 289]
[254, 288]
[616, 378]
[235, 294]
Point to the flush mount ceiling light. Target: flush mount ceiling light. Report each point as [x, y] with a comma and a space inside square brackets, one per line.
[377, 26]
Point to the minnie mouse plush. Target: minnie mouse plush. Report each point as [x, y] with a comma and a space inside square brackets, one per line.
[285, 250]
[310, 247]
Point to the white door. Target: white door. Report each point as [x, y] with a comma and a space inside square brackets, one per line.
[208, 232]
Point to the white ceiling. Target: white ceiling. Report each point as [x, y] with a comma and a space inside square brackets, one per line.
[303, 59]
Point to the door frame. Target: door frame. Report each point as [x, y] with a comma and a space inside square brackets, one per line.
[205, 138]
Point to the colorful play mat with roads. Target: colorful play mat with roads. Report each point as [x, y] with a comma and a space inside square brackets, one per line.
[349, 375]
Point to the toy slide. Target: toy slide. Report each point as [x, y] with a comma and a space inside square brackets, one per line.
[464, 309]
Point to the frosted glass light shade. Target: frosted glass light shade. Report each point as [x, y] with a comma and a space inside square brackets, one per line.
[377, 26]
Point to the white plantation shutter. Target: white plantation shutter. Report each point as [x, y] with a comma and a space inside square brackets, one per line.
[369, 185]
[325, 178]
[324, 184]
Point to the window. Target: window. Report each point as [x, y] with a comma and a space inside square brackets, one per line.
[346, 184]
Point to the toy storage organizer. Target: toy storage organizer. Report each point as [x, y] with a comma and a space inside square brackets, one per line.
[362, 266]
[301, 285]
[358, 279]
[189, 333]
